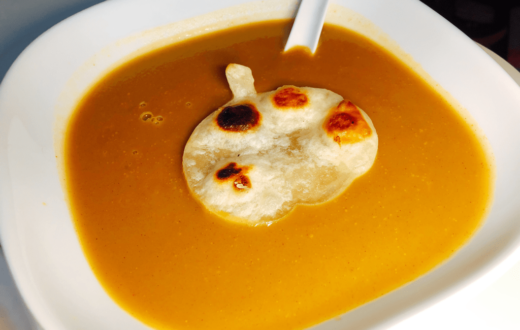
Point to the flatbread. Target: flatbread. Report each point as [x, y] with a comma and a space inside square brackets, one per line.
[258, 156]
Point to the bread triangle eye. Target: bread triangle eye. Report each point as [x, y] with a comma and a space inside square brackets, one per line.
[345, 124]
[238, 118]
[290, 97]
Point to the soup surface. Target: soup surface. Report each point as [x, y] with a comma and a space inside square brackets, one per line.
[172, 264]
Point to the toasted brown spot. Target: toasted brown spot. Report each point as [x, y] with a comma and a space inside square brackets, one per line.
[233, 171]
[238, 118]
[289, 97]
[345, 124]
[241, 183]
[228, 172]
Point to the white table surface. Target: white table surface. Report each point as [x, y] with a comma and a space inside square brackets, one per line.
[493, 305]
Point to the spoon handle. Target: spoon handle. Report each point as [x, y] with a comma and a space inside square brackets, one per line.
[307, 26]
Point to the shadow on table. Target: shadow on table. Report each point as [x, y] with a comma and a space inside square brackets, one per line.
[14, 315]
[22, 21]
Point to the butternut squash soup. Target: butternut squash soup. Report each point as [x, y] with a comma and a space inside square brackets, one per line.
[171, 263]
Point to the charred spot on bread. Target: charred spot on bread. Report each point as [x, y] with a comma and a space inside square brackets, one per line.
[242, 183]
[236, 172]
[345, 124]
[341, 121]
[290, 97]
[228, 172]
[238, 118]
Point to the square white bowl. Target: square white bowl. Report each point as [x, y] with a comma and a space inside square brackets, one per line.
[40, 90]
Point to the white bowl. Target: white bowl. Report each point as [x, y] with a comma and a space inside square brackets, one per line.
[45, 82]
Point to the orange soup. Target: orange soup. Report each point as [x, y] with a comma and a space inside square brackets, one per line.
[174, 265]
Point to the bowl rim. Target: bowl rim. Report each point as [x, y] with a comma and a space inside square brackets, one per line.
[503, 246]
